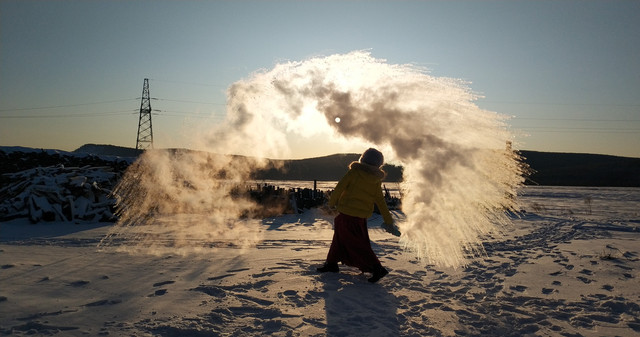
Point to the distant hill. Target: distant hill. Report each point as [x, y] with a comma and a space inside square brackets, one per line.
[576, 169]
[550, 168]
[108, 150]
[328, 168]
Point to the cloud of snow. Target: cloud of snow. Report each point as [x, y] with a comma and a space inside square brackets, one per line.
[459, 174]
[184, 201]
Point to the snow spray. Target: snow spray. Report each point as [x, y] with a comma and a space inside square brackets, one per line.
[183, 201]
[460, 173]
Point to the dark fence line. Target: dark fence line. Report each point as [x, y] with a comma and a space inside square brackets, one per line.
[274, 200]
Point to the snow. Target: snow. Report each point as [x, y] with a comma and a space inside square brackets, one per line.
[568, 266]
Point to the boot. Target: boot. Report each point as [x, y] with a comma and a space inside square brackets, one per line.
[328, 267]
[379, 273]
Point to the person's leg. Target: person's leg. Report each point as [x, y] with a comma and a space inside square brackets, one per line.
[351, 245]
[371, 260]
[333, 257]
[368, 260]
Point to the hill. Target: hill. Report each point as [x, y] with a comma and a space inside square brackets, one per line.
[576, 169]
[328, 168]
[550, 168]
[108, 150]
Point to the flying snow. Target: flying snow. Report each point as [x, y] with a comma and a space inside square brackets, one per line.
[460, 173]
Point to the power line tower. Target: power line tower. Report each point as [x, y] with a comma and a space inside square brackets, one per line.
[145, 132]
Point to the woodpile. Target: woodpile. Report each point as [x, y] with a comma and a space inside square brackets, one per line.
[58, 193]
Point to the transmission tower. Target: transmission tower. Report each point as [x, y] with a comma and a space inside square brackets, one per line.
[145, 132]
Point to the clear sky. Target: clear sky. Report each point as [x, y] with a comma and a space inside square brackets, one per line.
[71, 72]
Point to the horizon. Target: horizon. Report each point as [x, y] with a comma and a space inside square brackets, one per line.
[566, 74]
[301, 158]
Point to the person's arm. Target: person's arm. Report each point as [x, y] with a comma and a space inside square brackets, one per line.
[384, 210]
[386, 215]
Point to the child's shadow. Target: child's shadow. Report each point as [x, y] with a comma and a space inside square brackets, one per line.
[355, 307]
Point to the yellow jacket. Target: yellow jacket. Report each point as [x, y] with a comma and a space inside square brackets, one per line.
[358, 190]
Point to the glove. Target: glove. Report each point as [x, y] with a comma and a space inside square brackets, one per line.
[391, 228]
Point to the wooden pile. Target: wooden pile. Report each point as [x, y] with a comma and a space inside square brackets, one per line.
[58, 193]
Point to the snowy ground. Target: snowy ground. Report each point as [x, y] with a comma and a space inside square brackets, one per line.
[569, 267]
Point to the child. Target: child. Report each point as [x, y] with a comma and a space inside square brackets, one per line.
[354, 197]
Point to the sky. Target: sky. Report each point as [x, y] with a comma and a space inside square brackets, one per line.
[71, 72]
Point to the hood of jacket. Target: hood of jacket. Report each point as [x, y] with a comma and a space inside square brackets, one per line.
[372, 170]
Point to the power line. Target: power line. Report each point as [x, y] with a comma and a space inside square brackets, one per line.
[190, 112]
[68, 105]
[577, 119]
[103, 113]
[587, 131]
[190, 83]
[578, 128]
[561, 104]
[537, 129]
[191, 116]
[215, 115]
[186, 101]
[99, 114]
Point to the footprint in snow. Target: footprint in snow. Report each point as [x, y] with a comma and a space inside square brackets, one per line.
[518, 288]
[79, 283]
[158, 292]
[584, 279]
[163, 283]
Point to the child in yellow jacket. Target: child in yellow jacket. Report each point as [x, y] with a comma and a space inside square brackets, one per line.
[354, 197]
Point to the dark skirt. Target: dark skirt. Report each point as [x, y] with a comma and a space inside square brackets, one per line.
[351, 244]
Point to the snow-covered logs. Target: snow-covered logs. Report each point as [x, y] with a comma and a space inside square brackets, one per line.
[58, 193]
